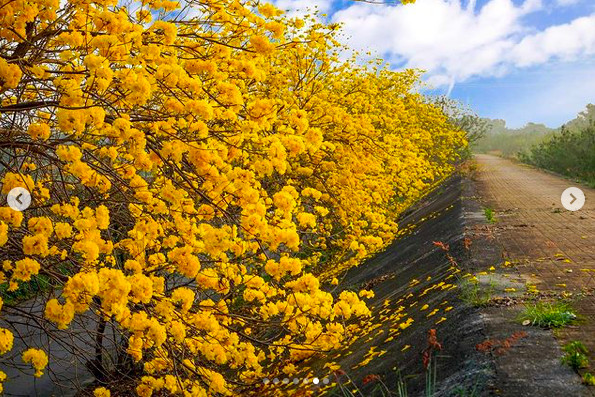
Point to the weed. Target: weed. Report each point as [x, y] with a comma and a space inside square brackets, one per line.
[589, 379]
[342, 387]
[401, 386]
[474, 294]
[576, 355]
[466, 392]
[549, 315]
[490, 215]
[429, 361]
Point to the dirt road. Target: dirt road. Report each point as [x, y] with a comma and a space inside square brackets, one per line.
[549, 247]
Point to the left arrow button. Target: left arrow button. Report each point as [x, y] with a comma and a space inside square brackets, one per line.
[19, 199]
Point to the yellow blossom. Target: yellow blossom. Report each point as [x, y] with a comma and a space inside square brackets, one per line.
[101, 392]
[39, 131]
[6, 339]
[25, 268]
[37, 358]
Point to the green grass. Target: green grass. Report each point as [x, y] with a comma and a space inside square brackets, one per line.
[490, 215]
[575, 355]
[549, 315]
[474, 294]
[589, 379]
[461, 391]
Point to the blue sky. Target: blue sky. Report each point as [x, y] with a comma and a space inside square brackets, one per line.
[517, 60]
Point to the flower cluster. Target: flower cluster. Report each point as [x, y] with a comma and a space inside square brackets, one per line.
[201, 183]
[37, 358]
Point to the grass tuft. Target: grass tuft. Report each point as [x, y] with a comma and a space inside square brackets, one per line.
[490, 215]
[475, 295]
[589, 379]
[575, 355]
[549, 315]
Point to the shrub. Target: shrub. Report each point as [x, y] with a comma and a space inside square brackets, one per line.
[570, 153]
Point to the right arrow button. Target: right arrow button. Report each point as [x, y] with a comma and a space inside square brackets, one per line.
[573, 199]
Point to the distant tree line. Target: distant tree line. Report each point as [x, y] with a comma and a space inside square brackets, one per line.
[571, 151]
[568, 150]
[503, 141]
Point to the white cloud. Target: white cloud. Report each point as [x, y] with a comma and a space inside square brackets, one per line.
[566, 42]
[453, 42]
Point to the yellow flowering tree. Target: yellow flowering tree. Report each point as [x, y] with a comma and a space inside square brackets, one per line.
[200, 173]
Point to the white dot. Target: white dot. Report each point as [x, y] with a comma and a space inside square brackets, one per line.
[276, 380]
[325, 381]
[296, 381]
[315, 381]
[266, 381]
[286, 380]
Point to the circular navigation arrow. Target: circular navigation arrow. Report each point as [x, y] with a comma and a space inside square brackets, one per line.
[573, 199]
[19, 199]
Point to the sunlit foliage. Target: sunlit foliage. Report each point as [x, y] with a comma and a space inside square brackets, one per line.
[200, 173]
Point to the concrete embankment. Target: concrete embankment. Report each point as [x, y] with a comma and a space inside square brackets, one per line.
[404, 279]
